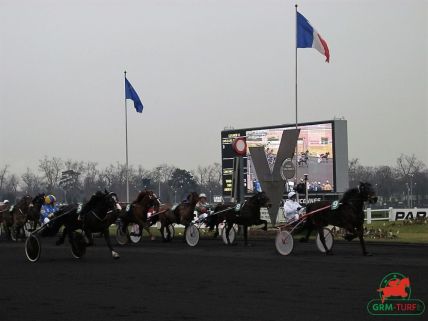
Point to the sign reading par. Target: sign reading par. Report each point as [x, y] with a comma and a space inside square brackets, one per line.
[408, 214]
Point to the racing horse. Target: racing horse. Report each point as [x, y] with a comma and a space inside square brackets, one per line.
[4, 208]
[246, 215]
[34, 212]
[137, 212]
[97, 215]
[15, 218]
[349, 215]
[323, 157]
[303, 158]
[181, 214]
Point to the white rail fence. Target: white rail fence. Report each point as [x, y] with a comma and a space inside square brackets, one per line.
[395, 214]
[372, 215]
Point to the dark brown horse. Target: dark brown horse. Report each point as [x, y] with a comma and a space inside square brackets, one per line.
[4, 207]
[349, 214]
[247, 214]
[181, 214]
[136, 212]
[33, 214]
[15, 218]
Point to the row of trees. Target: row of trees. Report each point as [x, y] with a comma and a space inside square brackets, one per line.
[405, 184]
[402, 185]
[74, 181]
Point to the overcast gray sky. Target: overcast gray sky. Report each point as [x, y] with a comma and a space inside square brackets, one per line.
[201, 65]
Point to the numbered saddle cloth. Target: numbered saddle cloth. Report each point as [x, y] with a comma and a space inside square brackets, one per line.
[335, 205]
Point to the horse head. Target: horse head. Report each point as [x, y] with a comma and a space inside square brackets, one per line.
[25, 202]
[367, 192]
[36, 205]
[146, 199]
[260, 199]
[111, 201]
[142, 196]
[105, 201]
[193, 198]
[38, 200]
[156, 202]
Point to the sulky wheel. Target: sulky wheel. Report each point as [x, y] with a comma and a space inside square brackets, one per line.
[78, 246]
[232, 234]
[329, 240]
[135, 233]
[284, 242]
[121, 237]
[33, 248]
[192, 235]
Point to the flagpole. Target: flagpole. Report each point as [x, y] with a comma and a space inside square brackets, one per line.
[295, 47]
[126, 138]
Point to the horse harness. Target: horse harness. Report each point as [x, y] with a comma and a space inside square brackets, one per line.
[105, 217]
[19, 208]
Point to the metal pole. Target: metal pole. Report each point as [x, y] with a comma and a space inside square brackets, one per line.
[306, 189]
[295, 47]
[126, 138]
[408, 195]
[241, 180]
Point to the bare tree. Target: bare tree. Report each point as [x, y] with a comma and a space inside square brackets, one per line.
[3, 172]
[409, 165]
[216, 172]
[31, 183]
[51, 169]
[90, 175]
[359, 173]
[166, 172]
[409, 168]
[201, 174]
[142, 178]
[12, 184]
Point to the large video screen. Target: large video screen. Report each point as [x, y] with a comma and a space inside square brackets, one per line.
[314, 155]
[322, 154]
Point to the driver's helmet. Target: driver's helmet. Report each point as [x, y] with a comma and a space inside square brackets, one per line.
[291, 194]
[202, 195]
[50, 199]
[5, 201]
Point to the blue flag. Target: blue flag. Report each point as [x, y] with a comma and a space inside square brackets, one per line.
[130, 93]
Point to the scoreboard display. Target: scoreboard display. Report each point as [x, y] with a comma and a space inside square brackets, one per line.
[228, 155]
[322, 154]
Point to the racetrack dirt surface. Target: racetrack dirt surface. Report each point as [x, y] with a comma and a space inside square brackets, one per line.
[156, 281]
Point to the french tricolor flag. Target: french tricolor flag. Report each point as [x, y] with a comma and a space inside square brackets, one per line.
[308, 37]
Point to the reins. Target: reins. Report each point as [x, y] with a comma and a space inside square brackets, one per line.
[306, 215]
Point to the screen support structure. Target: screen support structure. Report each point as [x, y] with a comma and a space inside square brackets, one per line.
[238, 189]
[271, 181]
